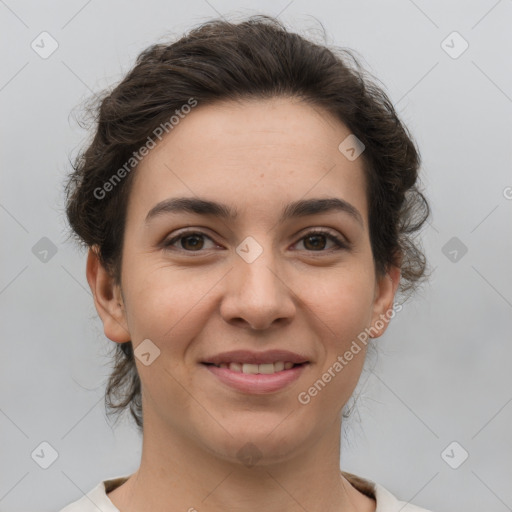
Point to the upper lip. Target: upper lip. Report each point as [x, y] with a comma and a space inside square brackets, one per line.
[247, 356]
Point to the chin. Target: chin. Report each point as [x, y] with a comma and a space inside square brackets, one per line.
[262, 442]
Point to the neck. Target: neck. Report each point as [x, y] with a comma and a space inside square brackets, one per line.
[177, 474]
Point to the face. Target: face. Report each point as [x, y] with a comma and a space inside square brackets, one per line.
[198, 284]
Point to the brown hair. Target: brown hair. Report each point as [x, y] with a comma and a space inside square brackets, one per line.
[256, 58]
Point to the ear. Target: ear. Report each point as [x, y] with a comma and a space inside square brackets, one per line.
[385, 290]
[107, 299]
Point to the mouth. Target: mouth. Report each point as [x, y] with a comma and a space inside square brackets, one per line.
[257, 369]
[248, 357]
[255, 374]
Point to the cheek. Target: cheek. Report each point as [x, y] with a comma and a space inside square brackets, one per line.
[163, 302]
[343, 302]
[342, 310]
[166, 306]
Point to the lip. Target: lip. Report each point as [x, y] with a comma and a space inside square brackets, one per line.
[247, 356]
[258, 383]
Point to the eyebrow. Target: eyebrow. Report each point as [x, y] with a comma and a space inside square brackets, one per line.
[301, 208]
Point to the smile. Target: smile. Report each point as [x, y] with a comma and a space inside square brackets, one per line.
[266, 368]
[256, 378]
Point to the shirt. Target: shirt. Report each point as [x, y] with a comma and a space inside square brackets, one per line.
[97, 499]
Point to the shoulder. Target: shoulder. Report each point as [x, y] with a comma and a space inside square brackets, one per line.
[385, 500]
[97, 497]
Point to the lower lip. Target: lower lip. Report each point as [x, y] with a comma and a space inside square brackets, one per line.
[259, 382]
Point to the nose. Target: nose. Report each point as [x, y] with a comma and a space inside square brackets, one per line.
[258, 295]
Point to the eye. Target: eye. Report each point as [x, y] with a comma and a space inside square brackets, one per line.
[315, 238]
[191, 241]
[314, 241]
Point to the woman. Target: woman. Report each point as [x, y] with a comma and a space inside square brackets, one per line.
[237, 353]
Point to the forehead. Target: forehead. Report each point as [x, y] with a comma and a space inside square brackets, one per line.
[255, 155]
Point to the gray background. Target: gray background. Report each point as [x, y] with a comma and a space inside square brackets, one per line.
[442, 373]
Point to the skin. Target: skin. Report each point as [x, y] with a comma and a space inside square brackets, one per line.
[255, 156]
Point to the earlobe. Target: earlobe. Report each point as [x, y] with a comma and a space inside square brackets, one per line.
[107, 299]
[383, 311]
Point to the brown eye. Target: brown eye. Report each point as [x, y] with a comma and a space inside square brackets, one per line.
[191, 241]
[315, 241]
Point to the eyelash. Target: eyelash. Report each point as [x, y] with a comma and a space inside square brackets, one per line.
[339, 242]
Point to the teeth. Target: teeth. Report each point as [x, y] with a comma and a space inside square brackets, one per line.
[234, 367]
[251, 368]
[266, 368]
[280, 366]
